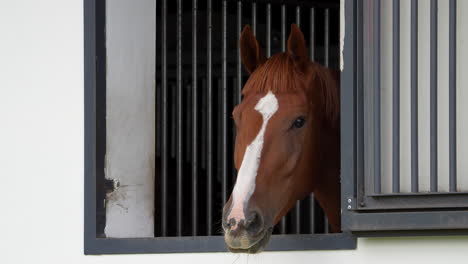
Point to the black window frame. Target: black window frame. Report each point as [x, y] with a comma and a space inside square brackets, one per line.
[363, 212]
[94, 118]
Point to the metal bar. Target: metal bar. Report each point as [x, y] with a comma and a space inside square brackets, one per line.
[268, 31]
[356, 56]
[164, 123]
[95, 131]
[179, 118]
[433, 99]
[409, 201]
[396, 98]
[326, 227]
[419, 194]
[298, 16]
[283, 49]
[254, 17]
[414, 96]
[91, 160]
[453, 96]
[283, 28]
[283, 225]
[209, 122]
[297, 218]
[216, 244]
[239, 62]
[224, 107]
[297, 211]
[312, 213]
[376, 80]
[410, 221]
[312, 57]
[194, 121]
[312, 34]
[351, 105]
[327, 36]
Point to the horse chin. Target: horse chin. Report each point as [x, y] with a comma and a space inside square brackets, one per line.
[255, 247]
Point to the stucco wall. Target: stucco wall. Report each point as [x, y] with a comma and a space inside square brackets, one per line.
[130, 115]
[41, 156]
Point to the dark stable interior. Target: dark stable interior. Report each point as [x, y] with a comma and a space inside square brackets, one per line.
[311, 221]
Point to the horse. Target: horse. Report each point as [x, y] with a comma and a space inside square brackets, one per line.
[287, 142]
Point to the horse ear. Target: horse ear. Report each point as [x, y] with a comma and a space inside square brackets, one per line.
[296, 45]
[251, 53]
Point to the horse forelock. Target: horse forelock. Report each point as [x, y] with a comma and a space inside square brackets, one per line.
[279, 74]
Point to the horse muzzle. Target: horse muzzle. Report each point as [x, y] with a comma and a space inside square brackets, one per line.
[246, 235]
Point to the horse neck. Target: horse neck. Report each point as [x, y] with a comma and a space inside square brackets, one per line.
[325, 167]
[328, 131]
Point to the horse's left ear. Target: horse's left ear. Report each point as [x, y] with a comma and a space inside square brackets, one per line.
[296, 46]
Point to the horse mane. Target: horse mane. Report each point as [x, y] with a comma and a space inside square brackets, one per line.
[279, 74]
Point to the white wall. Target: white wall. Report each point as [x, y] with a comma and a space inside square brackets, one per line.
[130, 116]
[41, 156]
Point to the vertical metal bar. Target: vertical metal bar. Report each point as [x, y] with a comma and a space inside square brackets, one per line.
[224, 107]
[194, 121]
[433, 107]
[268, 31]
[239, 63]
[326, 226]
[353, 99]
[254, 17]
[235, 99]
[283, 49]
[327, 36]
[326, 63]
[179, 118]
[396, 98]
[298, 16]
[376, 80]
[164, 126]
[414, 96]
[297, 211]
[312, 57]
[453, 95]
[209, 123]
[357, 57]
[93, 161]
[283, 28]
[312, 213]
[312, 33]
[351, 77]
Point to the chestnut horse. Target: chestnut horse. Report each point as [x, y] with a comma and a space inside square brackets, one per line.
[287, 143]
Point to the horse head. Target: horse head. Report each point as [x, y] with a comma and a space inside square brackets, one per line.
[287, 135]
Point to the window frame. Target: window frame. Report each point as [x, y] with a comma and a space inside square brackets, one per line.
[94, 112]
[369, 214]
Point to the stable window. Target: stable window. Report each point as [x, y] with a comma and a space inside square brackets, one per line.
[404, 164]
[161, 79]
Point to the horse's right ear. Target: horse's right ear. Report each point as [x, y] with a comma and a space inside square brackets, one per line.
[251, 53]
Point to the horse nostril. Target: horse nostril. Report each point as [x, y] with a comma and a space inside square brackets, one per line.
[254, 223]
[230, 223]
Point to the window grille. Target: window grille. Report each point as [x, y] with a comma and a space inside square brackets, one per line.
[392, 167]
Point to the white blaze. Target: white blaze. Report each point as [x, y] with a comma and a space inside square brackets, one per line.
[245, 184]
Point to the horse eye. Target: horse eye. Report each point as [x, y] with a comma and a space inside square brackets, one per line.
[299, 122]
